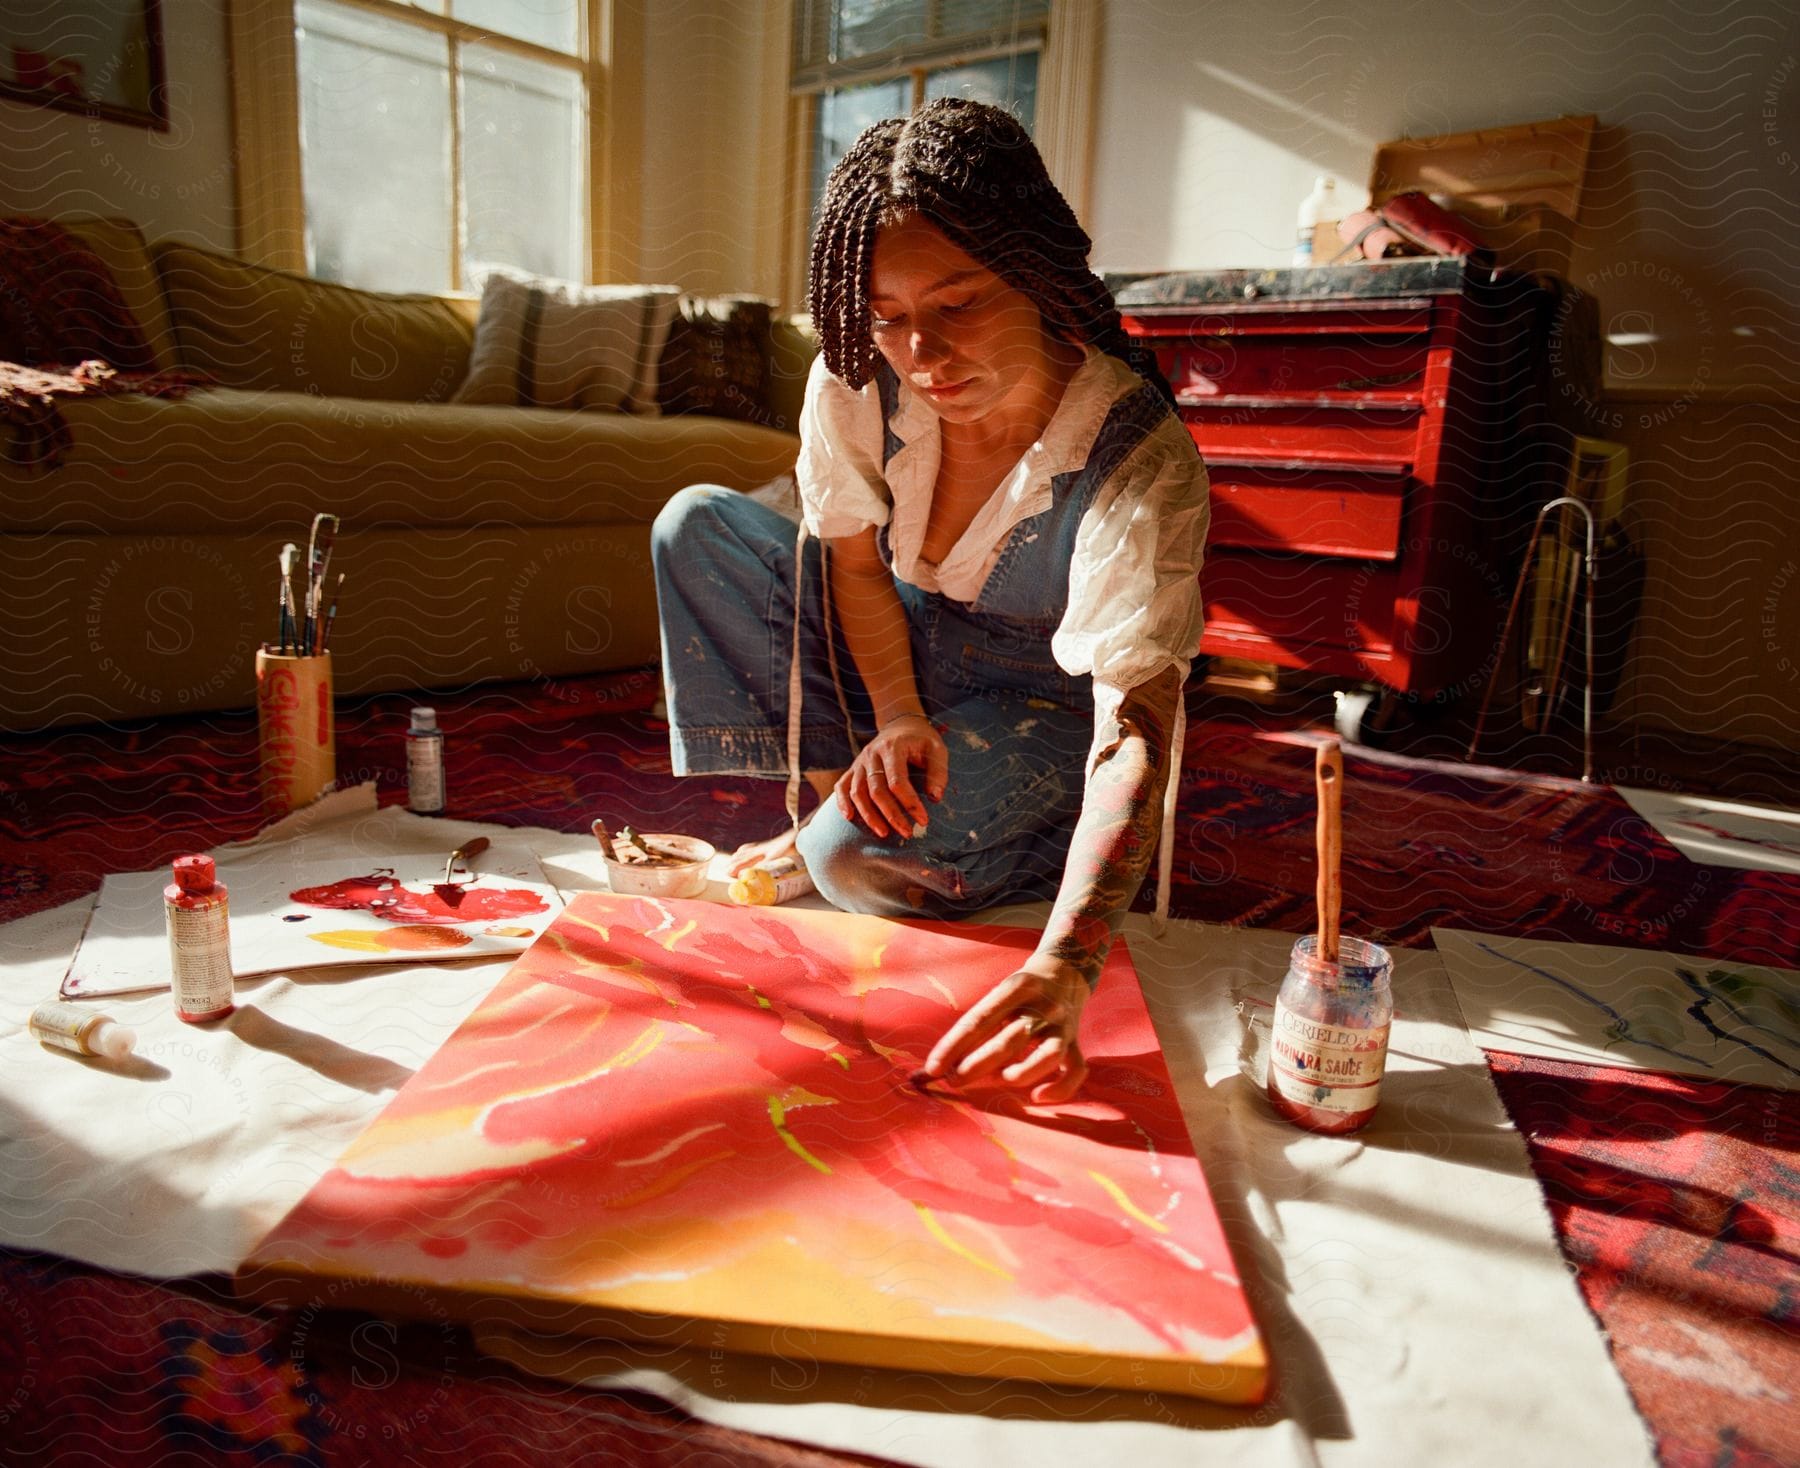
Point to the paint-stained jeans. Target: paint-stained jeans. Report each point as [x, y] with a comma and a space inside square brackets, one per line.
[1016, 726]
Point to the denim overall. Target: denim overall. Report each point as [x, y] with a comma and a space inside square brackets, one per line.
[1017, 728]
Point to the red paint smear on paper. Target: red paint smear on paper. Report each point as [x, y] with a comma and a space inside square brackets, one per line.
[389, 900]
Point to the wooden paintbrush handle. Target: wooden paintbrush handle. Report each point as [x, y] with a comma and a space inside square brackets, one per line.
[1328, 775]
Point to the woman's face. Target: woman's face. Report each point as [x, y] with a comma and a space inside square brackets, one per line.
[967, 342]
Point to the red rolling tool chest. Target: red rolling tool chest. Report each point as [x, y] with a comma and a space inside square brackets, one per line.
[1371, 437]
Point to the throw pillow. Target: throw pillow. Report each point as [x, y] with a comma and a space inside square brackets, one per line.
[60, 305]
[554, 344]
[717, 359]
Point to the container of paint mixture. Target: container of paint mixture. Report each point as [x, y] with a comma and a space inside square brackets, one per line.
[1328, 1044]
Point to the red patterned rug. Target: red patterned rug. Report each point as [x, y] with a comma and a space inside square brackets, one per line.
[1677, 1204]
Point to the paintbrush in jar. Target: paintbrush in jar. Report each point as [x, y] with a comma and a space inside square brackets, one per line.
[1328, 777]
[318, 557]
[288, 629]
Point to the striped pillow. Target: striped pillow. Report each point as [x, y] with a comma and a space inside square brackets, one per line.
[553, 344]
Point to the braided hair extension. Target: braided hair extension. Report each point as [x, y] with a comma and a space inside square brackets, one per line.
[972, 171]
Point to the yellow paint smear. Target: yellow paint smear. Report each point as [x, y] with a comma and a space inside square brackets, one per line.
[680, 933]
[1117, 1194]
[669, 1181]
[778, 1110]
[938, 1232]
[408, 938]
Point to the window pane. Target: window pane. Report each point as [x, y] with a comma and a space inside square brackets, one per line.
[375, 149]
[842, 117]
[860, 27]
[522, 167]
[1006, 81]
[552, 23]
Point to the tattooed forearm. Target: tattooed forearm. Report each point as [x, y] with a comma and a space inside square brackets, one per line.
[1115, 837]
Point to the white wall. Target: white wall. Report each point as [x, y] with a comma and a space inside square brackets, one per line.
[177, 183]
[1215, 117]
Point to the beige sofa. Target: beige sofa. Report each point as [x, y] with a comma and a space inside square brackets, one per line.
[140, 576]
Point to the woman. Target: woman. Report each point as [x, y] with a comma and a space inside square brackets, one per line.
[1008, 524]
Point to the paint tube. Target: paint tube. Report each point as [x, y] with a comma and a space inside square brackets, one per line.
[81, 1031]
[770, 883]
[425, 764]
[197, 906]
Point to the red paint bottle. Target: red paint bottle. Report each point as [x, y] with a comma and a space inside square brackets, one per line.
[1329, 1039]
[196, 906]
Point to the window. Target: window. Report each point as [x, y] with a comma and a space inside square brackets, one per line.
[440, 139]
[859, 61]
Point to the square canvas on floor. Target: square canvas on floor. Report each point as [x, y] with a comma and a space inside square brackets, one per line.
[683, 1122]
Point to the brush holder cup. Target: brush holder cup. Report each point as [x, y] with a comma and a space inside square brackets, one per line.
[297, 729]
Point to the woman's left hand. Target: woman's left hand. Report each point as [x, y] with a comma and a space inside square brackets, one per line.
[1022, 1033]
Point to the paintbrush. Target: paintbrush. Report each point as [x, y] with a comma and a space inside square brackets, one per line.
[318, 557]
[1328, 777]
[450, 891]
[288, 630]
[331, 615]
[606, 843]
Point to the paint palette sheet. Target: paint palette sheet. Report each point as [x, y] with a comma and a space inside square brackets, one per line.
[287, 916]
[692, 1124]
[1630, 1007]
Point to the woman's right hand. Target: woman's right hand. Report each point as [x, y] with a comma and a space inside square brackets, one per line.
[878, 788]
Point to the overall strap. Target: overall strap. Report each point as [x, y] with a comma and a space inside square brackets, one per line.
[1165, 842]
[795, 681]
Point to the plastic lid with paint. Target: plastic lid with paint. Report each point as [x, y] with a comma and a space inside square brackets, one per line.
[424, 721]
[194, 873]
[112, 1039]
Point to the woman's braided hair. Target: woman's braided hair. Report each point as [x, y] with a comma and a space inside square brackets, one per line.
[972, 171]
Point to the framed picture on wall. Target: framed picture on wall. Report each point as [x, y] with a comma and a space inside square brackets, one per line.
[101, 58]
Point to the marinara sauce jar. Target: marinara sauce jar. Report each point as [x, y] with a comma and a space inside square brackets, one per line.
[1328, 1045]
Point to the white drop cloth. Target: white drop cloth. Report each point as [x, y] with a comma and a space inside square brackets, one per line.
[1407, 1281]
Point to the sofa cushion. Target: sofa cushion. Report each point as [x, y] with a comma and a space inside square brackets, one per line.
[717, 358]
[248, 326]
[229, 461]
[554, 344]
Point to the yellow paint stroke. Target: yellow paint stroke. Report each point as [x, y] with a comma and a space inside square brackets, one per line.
[761, 1003]
[801, 1029]
[669, 1149]
[680, 933]
[938, 1232]
[629, 973]
[938, 984]
[841, 1058]
[669, 1181]
[1118, 1196]
[581, 922]
[412, 938]
[778, 1116]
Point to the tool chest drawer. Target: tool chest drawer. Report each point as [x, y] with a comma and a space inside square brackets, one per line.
[1361, 427]
[1326, 512]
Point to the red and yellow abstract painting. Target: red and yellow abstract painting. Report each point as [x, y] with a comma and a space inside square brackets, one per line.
[682, 1122]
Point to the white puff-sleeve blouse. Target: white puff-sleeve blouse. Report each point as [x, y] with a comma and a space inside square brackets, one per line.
[1134, 600]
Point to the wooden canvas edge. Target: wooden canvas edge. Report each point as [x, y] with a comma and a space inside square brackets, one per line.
[1241, 1379]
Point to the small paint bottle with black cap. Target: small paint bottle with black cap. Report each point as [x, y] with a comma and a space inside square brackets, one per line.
[425, 764]
[197, 906]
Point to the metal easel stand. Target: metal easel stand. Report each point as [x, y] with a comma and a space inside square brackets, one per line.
[1591, 569]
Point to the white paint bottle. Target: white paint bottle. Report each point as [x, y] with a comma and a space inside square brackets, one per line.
[81, 1031]
[197, 906]
[425, 764]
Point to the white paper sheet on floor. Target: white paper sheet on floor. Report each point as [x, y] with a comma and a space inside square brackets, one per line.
[1407, 1282]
